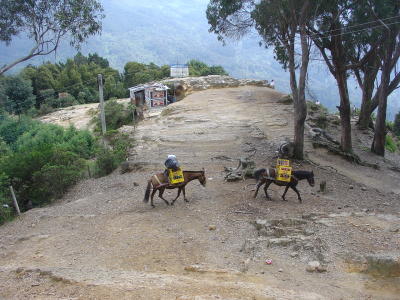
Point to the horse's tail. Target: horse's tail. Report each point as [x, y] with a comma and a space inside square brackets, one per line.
[258, 173]
[147, 194]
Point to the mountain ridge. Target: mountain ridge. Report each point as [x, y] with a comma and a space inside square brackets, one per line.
[177, 31]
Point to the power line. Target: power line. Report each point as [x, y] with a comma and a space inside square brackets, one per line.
[360, 24]
[349, 32]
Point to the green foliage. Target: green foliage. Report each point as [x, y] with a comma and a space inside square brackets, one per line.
[16, 94]
[73, 82]
[48, 22]
[116, 115]
[63, 169]
[45, 159]
[136, 73]
[108, 159]
[390, 145]
[198, 68]
[6, 211]
[11, 130]
[396, 124]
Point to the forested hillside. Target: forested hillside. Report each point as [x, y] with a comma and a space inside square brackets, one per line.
[167, 32]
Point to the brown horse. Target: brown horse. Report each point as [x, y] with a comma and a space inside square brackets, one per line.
[158, 181]
[267, 176]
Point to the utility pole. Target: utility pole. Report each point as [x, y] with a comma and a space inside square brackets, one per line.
[15, 201]
[101, 98]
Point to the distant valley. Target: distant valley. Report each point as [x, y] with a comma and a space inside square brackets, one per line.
[167, 32]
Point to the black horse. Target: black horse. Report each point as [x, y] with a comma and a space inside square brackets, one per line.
[267, 176]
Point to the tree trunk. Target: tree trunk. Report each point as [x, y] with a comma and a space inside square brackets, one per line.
[378, 144]
[300, 106]
[370, 73]
[392, 86]
[344, 110]
[338, 55]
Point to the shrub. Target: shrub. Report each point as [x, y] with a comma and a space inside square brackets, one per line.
[45, 109]
[11, 129]
[66, 101]
[390, 144]
[17, 94]
[107, 160]
[117, 115]
[45, 161]
[6, 210]
[62, 171]
[396, 124]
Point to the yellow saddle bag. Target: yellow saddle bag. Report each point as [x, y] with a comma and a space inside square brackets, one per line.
[175, 176]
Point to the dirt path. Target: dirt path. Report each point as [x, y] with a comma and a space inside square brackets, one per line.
[102, 242]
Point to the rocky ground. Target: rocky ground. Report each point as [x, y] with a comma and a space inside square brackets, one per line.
[102, 242]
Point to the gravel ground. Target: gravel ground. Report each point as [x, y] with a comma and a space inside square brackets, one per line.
[102, 242]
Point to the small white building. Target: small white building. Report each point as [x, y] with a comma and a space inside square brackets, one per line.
[179, 71]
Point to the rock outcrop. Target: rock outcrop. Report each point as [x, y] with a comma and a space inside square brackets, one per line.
[187, 85]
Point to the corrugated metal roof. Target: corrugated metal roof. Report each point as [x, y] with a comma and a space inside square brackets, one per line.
[150, 85]
[179, 66]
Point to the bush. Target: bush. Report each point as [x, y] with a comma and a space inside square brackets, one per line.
[107, 160]
[17, 94]
[62, 171]
[6, 210]
[45, 159]
[66, 101]
[390, 144]
[44, 109]
[117, 115]
[11, 129]
[396, 124]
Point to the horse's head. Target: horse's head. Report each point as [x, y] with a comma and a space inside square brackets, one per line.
[310, 179]
[202, 178]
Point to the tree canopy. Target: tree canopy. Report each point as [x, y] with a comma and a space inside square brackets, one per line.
[47, 23]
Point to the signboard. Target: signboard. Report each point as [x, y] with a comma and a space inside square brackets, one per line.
[157, 95]
[284, 170]
[176, 176]
[157, 102]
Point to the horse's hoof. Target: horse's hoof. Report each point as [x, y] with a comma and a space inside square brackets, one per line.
[153, 206]
[186, 200]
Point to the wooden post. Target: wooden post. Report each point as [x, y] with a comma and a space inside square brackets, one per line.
[15, 201]
[322, 186]
[101, 98]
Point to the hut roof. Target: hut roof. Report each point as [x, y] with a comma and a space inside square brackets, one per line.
[157, 86]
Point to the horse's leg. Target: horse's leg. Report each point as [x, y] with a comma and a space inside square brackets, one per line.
[160, 194]
[267, 184]
[152, 196]
[179, 193]
[284, 193]
[297, 192]
[258, 187]
[184, 194]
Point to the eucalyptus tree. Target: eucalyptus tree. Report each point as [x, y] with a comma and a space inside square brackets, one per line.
[389, 54]
[47, 23]
[345, 32]
[282, 25]
[371, 21]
